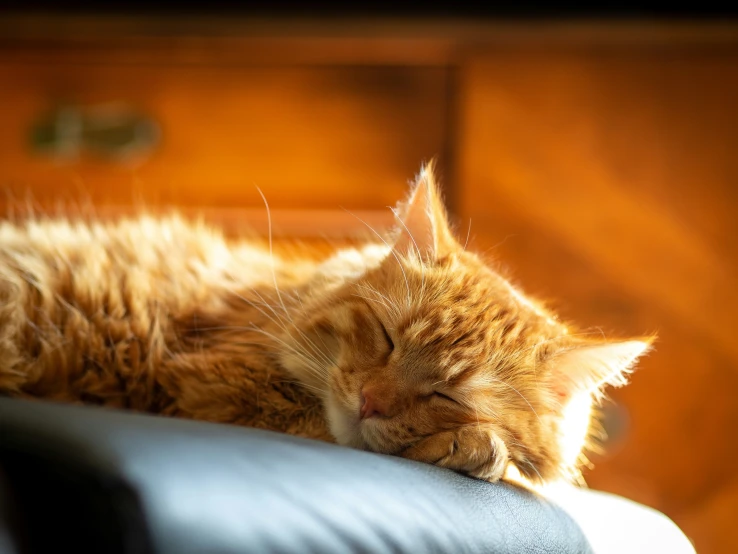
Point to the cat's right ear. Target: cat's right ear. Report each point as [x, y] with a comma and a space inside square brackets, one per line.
[590, 367]
[423, 227]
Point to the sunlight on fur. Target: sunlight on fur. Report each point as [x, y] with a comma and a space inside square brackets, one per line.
[409, 345]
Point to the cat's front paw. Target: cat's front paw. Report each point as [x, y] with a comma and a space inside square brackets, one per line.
[475, 450]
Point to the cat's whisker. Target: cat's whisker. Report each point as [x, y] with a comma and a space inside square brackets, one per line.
[488, 413]
[391, 307]
[313, 368]
[304, 356]
[371, 289]
[299, 299]
[314, 388]
[310, 363]
[600, 330]
[278, 322]
[271, 251]
[317, 351]
[371, 300]
[320, 338]
[530, 465]
[267, 304]
[314, 347]
[493, 379]
[476, 414]
[468, 234]
[321, 392]
[392, 252]
[597, 331]
[503, 241]
[277, 319]
[519, 394]
[322, 371]
[415, 244]
[309, 386]
[253, 327]
[224, 328]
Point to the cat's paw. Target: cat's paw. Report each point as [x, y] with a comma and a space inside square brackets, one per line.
[475, 450]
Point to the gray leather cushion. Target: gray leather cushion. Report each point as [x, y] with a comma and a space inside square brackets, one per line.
[100, 480]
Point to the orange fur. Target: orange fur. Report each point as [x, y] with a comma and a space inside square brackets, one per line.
[164, 316]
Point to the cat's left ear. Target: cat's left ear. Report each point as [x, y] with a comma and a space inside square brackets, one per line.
[423, 227]
[590, 367]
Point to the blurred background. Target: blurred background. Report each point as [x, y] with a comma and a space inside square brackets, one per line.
[593, 156]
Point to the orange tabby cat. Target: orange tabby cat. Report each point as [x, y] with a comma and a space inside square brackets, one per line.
[415, 348]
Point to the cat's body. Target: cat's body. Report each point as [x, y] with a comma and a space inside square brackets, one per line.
[415, 348]
[152, 315]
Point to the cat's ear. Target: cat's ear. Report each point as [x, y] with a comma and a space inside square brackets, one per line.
[590, 367]
[423, 227]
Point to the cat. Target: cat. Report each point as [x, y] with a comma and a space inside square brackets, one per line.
[408, 345]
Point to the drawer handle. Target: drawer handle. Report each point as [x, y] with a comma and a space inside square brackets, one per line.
[115, 132]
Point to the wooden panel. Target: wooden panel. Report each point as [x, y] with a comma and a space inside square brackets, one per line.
[605, 178]
[309, 137]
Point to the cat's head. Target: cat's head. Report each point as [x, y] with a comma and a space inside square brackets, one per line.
[420, 336]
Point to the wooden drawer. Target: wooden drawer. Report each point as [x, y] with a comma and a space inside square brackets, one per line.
[311, 137]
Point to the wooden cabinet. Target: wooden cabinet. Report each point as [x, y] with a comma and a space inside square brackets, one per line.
[596, 163]
[206, 134]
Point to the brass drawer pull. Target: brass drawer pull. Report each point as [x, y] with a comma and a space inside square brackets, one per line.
[114, 132]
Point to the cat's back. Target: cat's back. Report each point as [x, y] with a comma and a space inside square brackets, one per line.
[76, 294]
[169, 259]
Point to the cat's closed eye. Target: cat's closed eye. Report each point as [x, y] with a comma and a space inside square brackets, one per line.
[443, 396]
[387, 337]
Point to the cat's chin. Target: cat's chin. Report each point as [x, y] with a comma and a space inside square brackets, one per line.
[344, 428]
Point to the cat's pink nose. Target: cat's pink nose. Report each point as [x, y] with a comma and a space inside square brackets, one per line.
[369, 405]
